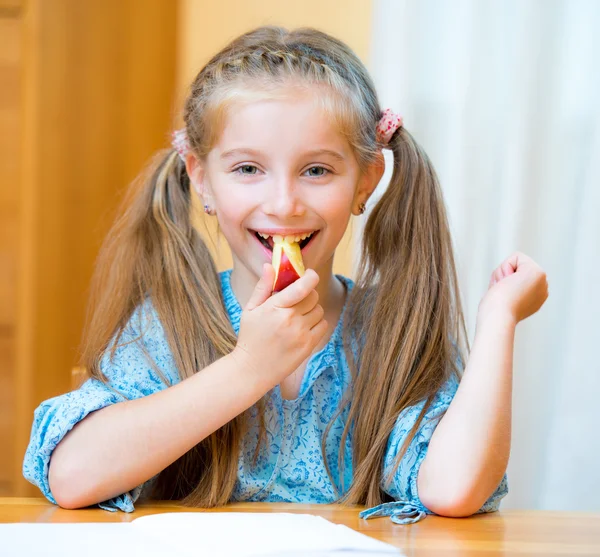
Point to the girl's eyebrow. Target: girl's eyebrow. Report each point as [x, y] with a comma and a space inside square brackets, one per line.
[234, 152]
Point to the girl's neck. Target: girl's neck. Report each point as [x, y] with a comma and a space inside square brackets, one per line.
[330, 289]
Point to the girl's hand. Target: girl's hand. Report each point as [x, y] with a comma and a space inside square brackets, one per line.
[277, 333]
[518, 286]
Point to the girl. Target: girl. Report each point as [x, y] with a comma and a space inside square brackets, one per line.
[328, 390]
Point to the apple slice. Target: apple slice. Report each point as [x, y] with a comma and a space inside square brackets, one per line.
[287, 262]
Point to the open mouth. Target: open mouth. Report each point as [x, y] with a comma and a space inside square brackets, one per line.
[302, 239]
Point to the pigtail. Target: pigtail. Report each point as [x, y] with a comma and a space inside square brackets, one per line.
[154, 253]
[407, 352]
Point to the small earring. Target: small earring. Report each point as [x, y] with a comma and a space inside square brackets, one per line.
[207, 210]
[361, 208]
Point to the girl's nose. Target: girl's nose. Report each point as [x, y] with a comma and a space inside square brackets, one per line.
[283, 200]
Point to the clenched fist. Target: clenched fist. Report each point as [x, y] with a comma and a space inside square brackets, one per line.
[518, 286]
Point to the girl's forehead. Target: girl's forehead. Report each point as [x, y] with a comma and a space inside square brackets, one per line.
[293, 117]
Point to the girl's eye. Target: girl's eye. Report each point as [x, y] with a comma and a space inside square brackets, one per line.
[320, 174]
[245, 167]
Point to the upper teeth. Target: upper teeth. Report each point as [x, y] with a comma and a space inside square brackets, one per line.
[297, 238]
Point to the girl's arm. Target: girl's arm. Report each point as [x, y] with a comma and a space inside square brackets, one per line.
[115, 449]
[469, 449]
[468, 452]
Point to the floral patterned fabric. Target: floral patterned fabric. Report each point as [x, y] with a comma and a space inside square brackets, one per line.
[291, 465]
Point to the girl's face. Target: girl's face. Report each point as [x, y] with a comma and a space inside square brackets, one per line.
[280, 167]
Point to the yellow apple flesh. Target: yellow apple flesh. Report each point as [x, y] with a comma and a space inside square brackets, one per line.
[287, 262]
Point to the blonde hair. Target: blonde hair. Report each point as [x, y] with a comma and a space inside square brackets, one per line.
[406, 277]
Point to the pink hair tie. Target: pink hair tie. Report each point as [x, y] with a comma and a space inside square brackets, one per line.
[181, 143]
[388, 124]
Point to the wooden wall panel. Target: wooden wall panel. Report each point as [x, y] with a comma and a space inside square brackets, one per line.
[98, 101]
[10, 8]
[10, 75]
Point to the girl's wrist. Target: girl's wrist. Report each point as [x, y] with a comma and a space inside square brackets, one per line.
[249, 371]
[497, 317]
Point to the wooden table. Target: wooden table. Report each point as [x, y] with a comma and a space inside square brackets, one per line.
[507, 533]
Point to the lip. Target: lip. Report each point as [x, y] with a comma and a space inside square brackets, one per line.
[269, 253]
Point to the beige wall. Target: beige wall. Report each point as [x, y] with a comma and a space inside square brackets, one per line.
[205, 27]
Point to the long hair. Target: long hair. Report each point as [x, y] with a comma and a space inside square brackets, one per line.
[406, 277]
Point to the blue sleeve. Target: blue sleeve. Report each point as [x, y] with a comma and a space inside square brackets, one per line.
[131, 374]
[404, 485]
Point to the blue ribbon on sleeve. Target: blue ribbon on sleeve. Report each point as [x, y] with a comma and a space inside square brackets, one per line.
[399, 512]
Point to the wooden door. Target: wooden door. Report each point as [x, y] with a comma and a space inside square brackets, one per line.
[86, 96]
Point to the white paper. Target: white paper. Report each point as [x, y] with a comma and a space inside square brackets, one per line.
[258, 534]
[197, 534]
[78, 540]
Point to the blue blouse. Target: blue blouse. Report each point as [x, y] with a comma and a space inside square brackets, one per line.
[291, 467]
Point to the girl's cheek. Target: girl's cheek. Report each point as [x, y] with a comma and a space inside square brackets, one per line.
[233, 201]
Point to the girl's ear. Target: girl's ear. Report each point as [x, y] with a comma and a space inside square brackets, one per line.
[195, 171]
[368, 182]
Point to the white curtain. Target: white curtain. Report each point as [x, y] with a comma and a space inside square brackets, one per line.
[504, 96]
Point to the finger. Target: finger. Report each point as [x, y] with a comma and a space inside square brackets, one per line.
[263, 289]
[314, 315]
[318, 331]
[519, 259]
[296, 291]
[513, 262]
[507, 269]
[306, 305]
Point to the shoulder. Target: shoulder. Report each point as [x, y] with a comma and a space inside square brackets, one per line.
[144, 325]
[142, 347]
